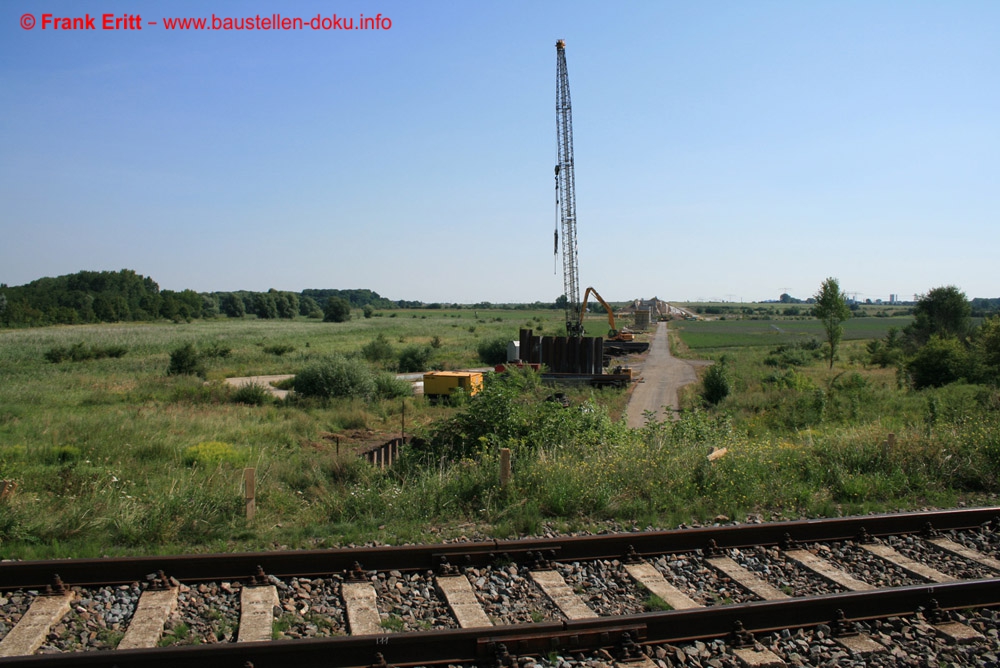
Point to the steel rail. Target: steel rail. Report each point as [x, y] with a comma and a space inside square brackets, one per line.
[479, 645]
[320, 563]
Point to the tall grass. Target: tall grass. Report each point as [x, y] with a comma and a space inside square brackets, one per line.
[101, 449]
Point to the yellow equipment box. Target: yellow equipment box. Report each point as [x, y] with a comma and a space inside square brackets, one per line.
[443, 383]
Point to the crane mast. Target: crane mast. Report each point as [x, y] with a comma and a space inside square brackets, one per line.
[566, 194]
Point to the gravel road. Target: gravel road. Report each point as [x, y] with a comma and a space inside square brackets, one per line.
[662, 375]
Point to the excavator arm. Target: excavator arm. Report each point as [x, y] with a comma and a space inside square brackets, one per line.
[613, 332]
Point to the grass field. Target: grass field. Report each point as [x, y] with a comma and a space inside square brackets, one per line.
[99, 447]
[732, 333]
[114, 456]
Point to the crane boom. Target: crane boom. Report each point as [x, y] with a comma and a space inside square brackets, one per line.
[566, 194]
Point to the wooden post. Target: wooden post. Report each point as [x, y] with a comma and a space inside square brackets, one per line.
[250, 491]
[887, 445]
[504, 467]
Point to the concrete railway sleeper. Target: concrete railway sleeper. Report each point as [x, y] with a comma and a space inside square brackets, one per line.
[532, 601]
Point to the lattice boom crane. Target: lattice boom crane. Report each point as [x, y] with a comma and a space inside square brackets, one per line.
[566, 194]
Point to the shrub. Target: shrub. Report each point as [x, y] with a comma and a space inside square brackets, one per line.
[716, 383]
[368, 310]
[413, 358]
[78, 352]
[212, 453]
[252, 394]
[387, 386]
[285, 384]
[185, 360]
[784, 357]
[336, 376]
[493, 351]
[337, 309]
[378, 350]
[939, 362]
[57, 354]
[217, 350]
[279, 349]
[63, 454]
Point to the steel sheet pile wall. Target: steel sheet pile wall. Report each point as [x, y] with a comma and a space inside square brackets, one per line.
[562, 354]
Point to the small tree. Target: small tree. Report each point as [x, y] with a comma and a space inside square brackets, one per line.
[942, 312]
[185, 360]
[493, 351]
[337, 309]
[413, 358]
[831, 309]
[716, 383]
[378, 350]
[368, 310]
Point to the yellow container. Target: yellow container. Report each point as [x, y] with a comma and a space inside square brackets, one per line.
[443, 383]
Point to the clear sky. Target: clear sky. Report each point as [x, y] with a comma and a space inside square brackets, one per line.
[724, 150]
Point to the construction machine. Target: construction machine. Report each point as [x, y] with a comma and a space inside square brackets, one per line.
[566, 196]
[613, 333]
[566, 204]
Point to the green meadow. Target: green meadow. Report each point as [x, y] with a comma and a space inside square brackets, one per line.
[111, 455]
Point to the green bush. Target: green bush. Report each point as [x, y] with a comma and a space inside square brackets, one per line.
[387, 386]
[279, 349]
[716, 383]
[216, 350]
[78, 352]
[939, 362]
[57, 354]
[378, 350]
[185, 361]
[784, 357]
[493, 351]
[252, 394]
[337, 309]
[285, 384]
[413, 358]
[336, 376]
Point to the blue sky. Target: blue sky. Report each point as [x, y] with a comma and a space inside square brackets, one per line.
[724, 150]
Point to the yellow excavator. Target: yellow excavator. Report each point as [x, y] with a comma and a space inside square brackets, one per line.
[613, 333]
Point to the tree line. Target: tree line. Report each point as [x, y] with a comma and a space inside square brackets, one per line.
[125, 296]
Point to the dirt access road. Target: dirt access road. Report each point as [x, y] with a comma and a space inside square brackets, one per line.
[662, 375]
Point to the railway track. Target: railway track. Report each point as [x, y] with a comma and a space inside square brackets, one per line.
[760, 594]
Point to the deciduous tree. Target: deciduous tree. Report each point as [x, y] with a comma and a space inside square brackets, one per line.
[832, 310]
[943, 312]
[337, 309]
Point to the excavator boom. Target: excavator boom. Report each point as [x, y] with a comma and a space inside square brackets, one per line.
[613, 333]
